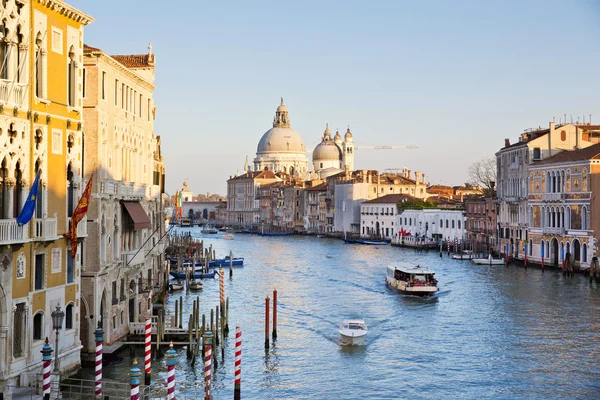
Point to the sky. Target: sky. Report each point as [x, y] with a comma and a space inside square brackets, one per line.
[453, 77]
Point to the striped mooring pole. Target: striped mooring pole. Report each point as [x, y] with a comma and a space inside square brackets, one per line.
[98, 333]
[274, 314]
[207, 363]
[135, 375]
[171, 359]
[267, 322]
[222, 290]
[47, 360]
[148, 352]
[238, 364]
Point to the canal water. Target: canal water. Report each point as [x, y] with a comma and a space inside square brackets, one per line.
[490, 332]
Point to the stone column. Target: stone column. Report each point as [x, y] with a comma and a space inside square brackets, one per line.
[10, 194]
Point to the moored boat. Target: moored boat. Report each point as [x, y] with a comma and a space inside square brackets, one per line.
[464, 255]
[224, 262]
[488, 261]
[228, 236]
[320, 235]
[197, 274]
[209, 230]
[371, 242]
[175, 286]
[353, 332]
[195, 285]
[411, 278]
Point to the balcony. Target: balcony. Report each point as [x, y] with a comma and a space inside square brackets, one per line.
[553, 196]
[553, 231]
[11, 232]
[81, 227]
[12, 94]
[45, 229]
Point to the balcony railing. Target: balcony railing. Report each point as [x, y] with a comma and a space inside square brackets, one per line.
[45, 229]
[12, 94]
[11, 232]
[553, 231]
[552, 196]
[82, 228]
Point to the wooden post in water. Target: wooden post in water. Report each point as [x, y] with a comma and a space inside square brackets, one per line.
[267, 322]
[274, 314]
[176, 312]
[157, 336]
[227, 316]
[217, 326]
[180, 311]
[230, 264]
[203, 331]
[189, 349]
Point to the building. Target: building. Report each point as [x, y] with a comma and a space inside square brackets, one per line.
[561, 210]
[512, 163]
[436, 223]
[333, 156]
[314, 204]
[126, 221]
[41, 109]
[243, 197]
[378, 216]
[481, 222]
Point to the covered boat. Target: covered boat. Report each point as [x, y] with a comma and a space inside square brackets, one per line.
[353, 332]
[488, 261]
[224, 262]
[411, 278]
[365, 241]
[464, 255]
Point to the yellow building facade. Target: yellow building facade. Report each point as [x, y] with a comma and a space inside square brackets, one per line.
[41, 128]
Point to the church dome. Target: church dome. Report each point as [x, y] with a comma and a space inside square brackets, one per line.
[281, 140]
[348, 134]
[327, 150]
[337, 138]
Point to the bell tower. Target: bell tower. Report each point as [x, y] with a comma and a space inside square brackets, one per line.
[348, 150]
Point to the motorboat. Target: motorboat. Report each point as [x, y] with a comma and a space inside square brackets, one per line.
[185, 222]
[209, 229]
[175, 286]
[198, 273]
[195, 285]
[225, 262]
[414, 279]
[353, 332]
[371, 242]
[488, 261]
[228, 236]
[464, 255]
[320, 236]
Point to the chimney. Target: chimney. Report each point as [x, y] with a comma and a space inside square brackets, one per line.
[550, 133]
[417, 176]
[408, 171]
[506, 142]
[423, 178]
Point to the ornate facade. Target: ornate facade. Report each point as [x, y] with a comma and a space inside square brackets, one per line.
[124, 261]
[41, 129]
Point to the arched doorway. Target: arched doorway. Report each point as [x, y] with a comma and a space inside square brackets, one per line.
[103, 315]
[576, 250]
[554, 260]
[85, 325]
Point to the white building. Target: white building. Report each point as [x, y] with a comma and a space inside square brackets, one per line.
[378, 216]
[347, 201]
[433, 223]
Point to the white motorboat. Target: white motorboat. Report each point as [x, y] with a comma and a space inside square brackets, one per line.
[412, 279]
[228, 236]
[464, 255]
[353, 332]
[488, 261]
[209, 229]
[178, 285]
[195, 285]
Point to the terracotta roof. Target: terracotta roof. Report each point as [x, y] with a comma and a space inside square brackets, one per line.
[592, 152]
[136, 60]
[87, 48]
[391, 199]
[256, 175]
[318, 188]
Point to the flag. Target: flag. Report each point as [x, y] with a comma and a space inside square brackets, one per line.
[78, 215]
[29, 206]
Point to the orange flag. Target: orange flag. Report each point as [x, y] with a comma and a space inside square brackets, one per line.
[78, 215]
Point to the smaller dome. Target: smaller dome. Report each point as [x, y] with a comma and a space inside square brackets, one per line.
[337, 138]
[327, 150]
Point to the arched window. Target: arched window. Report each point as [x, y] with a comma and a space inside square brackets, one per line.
[69, 317]
[70, 191]
[39, 202]
[584, 218]
[584, 253]
[576, 250]
[38, 326]
[18, 190]
[4, 51]
[72, 78]
[21, 67]
[39, 67]
[3, 189]
[530, 247]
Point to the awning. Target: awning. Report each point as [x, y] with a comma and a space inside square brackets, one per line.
[138, 215]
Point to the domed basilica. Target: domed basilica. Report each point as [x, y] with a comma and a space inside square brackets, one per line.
[281, 149]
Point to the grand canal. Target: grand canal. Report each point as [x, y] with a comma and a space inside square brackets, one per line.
[491, 332]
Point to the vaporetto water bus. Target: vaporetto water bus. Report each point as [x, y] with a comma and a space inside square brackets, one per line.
[411, 278]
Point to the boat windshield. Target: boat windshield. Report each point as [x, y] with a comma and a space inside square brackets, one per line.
[356, 327]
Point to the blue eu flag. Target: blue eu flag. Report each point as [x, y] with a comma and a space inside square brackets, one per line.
[29, 206]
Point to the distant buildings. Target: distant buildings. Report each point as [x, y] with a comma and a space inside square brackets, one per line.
[378, 216]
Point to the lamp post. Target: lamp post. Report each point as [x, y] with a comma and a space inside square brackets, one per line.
[57, 319]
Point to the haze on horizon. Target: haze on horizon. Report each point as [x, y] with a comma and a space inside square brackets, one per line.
[454, 78]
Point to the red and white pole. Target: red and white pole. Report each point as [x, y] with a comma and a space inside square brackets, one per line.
[267, 322]
[134, 380]
[238, 364]
[171, 360]
[47, 359]
[98, 333]
[148, 352]
[207, 364]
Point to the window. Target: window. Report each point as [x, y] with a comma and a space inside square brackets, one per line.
[116, 92]
[149, 110]
[4, 53]
[114, 291]
[39, 69]
[459, 224]
[452, 224]
[56, 141]
[39, 271]
[38, 326]
[140, 106]
[123, 96]
[70, 268]
[103, 85]
[19, 330]
[446, 224]
[83, 91]
[57, 43]
[537, 153]
[69, 317]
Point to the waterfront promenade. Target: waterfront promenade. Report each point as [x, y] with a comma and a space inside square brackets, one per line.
[491, 332]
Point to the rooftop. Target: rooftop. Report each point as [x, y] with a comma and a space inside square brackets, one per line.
[391, 199]
[592, 152]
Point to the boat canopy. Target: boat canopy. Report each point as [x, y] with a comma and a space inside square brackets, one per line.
[409, 268]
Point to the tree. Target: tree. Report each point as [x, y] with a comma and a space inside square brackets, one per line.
[483, 173]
